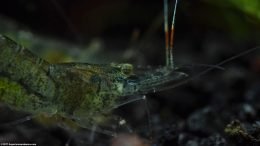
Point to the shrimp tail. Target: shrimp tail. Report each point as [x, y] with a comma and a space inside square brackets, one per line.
[21, 66]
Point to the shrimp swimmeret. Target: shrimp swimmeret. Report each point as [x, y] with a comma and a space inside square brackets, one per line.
[79, 92]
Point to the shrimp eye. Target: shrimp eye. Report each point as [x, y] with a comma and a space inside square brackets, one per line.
[126, 69]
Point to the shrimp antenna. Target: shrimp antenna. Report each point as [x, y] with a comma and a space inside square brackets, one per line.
[169, 36]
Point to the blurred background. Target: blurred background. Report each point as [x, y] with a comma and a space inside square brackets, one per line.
[131, 28]
[206, 32]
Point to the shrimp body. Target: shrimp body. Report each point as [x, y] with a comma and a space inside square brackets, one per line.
[72, 90]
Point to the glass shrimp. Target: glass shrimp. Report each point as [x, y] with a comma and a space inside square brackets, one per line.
[77, 91]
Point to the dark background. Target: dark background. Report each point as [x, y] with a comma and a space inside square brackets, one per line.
[206, 32]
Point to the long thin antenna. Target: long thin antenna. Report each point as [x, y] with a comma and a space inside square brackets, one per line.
[166, 31]
[171, 63]
[169, 36]
[210, 69]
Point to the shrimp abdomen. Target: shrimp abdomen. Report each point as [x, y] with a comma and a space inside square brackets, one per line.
[19, 68]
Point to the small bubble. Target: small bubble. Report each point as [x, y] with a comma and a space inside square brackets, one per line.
[122, 122]
[144, 97]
